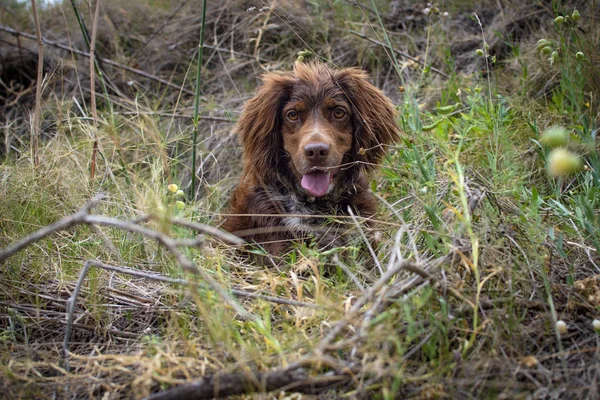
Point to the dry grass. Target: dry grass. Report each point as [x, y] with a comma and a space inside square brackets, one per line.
[489, 250]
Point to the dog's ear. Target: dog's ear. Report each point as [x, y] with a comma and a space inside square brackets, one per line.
[374, 117]
[259, 125]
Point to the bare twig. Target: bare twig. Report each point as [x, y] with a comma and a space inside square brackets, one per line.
[36, 130]
[83, 217]
[60, 225]
[437, 71]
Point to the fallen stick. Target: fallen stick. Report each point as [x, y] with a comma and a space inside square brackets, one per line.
[223, 385]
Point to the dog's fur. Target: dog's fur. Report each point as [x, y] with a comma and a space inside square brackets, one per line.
[311, 139]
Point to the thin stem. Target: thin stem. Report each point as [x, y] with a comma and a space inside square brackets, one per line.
[197, 100]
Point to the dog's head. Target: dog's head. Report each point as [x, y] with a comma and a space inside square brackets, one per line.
[315, 122]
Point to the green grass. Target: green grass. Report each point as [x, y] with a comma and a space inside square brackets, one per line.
[482, 327]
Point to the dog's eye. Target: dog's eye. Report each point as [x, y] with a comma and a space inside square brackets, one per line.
[339, 113]
[292, 115]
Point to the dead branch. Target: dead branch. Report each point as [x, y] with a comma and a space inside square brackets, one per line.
[83, 217]
[219, 386]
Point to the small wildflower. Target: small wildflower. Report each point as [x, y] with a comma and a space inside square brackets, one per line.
[179, 193]
[445, 14]
[555, 136]
[563, 162]
[424, 189]
[173, 188]
[561, 327]
[579, 55]
[553, 57]
[250, 9]
[559, 20]
[427, 11]
[596, 325]
[479, 52]
[180, 205]
[401, 89]
[575, 16]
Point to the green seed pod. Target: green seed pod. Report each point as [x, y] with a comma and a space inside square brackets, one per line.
[479, 52]
[575, 16]
[555, 136]
[447, 109]
[559, 20]
[547, 50]
[541, 44]
[580, 56]
[180, 205]
[563, 162]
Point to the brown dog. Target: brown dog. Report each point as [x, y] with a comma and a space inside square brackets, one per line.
[311, 138]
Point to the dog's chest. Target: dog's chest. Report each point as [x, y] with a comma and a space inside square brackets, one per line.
[301, 213]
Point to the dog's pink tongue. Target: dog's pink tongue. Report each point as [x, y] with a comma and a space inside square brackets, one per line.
[316, 182]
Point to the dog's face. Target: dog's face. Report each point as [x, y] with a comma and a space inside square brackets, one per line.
[317, 131]
[314, 122]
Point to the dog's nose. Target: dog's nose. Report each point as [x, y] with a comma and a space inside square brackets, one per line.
[316, 152]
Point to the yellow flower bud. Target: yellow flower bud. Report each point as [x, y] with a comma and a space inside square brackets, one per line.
[563, 162]
[173, 188]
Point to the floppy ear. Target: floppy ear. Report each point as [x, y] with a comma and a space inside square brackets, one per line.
[259, 125]
[373, 116]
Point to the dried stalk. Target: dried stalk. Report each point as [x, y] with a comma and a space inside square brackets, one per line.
[93, 88]
[37, 129]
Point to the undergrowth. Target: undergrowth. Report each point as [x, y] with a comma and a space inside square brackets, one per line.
[470, 183]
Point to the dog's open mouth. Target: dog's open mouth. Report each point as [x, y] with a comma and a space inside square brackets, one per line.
[316, 182]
